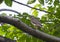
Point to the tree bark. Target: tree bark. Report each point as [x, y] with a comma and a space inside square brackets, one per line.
[4, 39]
[22, 26]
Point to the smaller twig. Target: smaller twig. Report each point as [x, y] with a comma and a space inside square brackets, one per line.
[9, 10]
[32, 7]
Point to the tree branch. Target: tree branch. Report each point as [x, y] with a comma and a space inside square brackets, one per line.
[9, 10]
[20, 25]
[4, 39]
[32, 7]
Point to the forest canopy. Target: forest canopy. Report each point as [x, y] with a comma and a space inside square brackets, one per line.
[50, 21]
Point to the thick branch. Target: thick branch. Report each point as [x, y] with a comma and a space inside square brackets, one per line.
[20, 25]
[32, 7]
[4, 39]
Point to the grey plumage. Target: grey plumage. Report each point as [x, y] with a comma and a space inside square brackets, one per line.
[35, 22]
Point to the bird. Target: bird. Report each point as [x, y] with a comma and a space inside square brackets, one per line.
[35, 22]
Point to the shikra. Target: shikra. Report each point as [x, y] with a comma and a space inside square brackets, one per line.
[35, 22]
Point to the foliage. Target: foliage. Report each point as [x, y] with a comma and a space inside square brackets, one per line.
[51, 22]
[31, 1]
[1, 1]
[41, 1]
[12, 32]
[7, 2]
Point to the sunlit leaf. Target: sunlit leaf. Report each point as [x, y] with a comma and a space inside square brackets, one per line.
[35, 13]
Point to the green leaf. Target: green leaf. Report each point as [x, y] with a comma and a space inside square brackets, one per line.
[41, 1]
[1, 1]
[8, 3]
[4, 14]
[35, 13]
[56, 2]
[31, 1]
